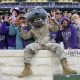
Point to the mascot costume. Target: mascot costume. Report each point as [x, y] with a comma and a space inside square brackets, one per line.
[39, 30]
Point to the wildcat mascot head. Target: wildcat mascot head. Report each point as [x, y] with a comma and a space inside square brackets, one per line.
[36, 16]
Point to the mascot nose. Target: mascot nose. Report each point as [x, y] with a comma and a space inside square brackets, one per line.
[36, 13]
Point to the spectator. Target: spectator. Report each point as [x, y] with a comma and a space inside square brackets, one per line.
[69, 15]
[4, 32]
[74, 11]
[75, 19]
[2, 38]
[14, 29]
[67, 34]
[65, 13]
[52, 13]
[22, 12]
[58, 16]
[15, 12]
[53, 28]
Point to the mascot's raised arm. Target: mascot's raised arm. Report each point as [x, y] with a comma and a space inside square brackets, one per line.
[39, 30]
[36, 18]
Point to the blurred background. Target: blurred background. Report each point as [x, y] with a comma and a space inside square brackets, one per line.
[6, 5]
[38, 1]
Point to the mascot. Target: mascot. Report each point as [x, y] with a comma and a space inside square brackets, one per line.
[39, 30]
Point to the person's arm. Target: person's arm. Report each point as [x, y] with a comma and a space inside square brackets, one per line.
[54, 25]
[12, 30]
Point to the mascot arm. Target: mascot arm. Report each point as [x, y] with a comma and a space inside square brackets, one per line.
[53, 27]
[25, 35]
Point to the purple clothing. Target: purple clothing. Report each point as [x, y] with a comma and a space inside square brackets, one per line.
[9, 40]
[3, 36]
[2, 42]
[68, 35]
[28, 41]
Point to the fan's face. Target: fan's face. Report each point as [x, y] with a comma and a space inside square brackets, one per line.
[14, 13]
[6, 18]
[74, 19]
[65, 23]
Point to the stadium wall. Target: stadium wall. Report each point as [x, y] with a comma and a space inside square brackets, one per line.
[43, 64]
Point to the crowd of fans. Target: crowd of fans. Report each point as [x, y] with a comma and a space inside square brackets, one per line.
[67, 30]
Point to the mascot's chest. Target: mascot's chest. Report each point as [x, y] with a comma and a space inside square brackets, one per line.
[40, 32]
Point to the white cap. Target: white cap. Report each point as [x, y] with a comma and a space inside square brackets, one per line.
[16, 8]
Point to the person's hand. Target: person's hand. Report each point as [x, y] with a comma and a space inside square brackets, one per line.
[22, 25]
[52, 18]
[61, 27]
[11, 10]
[12, 20]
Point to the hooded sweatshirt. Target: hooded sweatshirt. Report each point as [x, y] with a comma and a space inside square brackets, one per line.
[68, 35]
